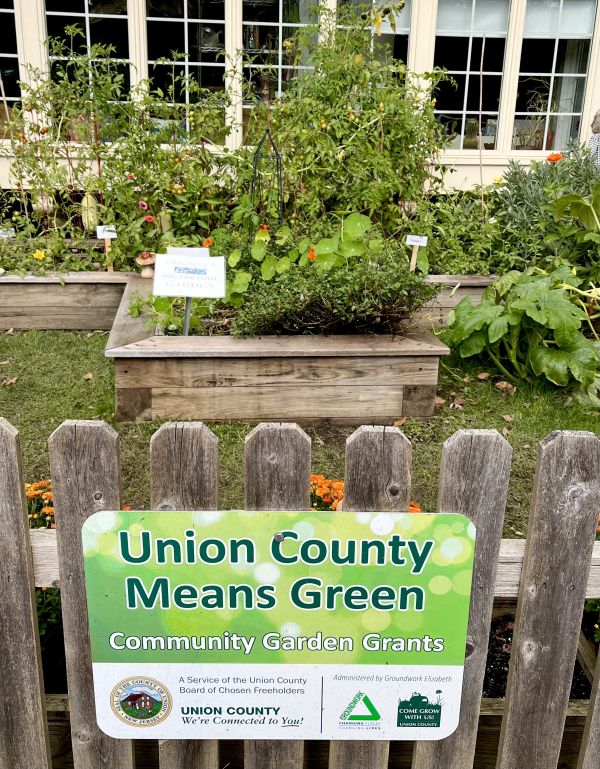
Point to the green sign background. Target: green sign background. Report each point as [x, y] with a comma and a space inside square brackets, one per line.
[446, 579]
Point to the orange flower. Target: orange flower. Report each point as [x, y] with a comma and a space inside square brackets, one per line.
[311, 254]
[554, 157]
[48, 510]
[414, 507]
[207, 243]
[264, 227]
[126, 507]
[48, 496]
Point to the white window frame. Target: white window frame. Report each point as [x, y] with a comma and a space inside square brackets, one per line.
[470, 165]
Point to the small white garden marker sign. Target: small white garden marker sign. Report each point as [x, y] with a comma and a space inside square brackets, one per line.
[191, 273]
[107, 232]
[416, 241]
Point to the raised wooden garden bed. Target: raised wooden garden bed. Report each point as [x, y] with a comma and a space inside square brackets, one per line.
[347, 379]
[73, 300]
[454, 288]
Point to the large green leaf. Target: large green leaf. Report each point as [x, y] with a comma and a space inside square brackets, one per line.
[473, 345]
[241, 281]
[467, 318]
[327, 246]
[258, 250]
[552, 309]
[351, 248]
[355, 226]
[577, 358]
[234, 257]
[268, 267]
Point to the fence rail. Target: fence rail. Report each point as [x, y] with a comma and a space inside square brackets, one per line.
[550, 574]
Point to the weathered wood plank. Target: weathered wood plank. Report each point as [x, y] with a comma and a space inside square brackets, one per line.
[590, 742]
[126, 328]
[561, 532]
[133, 404]
[418, 400]
[260, 372]
[23, 730]
[185, 476]
[586, 656]
[418, 342]
[473, 481]
[84, 466]
[378, 477]
[275, 402]
[508, 575]
[54, 278]
[52, 305]
[460, 280]
[277, 460]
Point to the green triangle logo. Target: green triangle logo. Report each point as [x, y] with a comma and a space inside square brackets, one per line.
[360, 702]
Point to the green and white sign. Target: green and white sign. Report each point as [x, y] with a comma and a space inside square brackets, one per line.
[278, 625]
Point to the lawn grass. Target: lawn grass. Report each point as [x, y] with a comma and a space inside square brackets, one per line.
[51, 385]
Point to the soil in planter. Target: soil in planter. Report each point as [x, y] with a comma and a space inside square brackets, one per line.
[496, 670]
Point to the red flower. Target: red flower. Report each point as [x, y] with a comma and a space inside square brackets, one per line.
[148, 219]
[264, 227]
[554, 157]
[131, 176]
[311, 254]
[143, 205]
[207, 243]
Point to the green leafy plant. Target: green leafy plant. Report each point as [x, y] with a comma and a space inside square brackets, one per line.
[530, 325]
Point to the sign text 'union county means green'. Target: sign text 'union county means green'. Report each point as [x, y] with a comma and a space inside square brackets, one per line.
[278, 625]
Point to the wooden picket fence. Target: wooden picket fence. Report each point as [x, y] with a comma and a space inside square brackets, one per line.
[551, 574]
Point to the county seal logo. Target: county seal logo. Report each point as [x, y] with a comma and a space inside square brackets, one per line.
[141, 701]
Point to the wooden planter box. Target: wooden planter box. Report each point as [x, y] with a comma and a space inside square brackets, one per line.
[346, 379]
[73, 300]
[454, 288]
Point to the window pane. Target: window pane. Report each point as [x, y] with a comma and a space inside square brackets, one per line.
[460, 47]
[113, 31]
[258, 10]
[451, 53]
[206, 43]
[8, 38]
[567, 94]
[174, 9]
[454, 16]
[115, 7]
[206, 9]
[66, 6]
[300, 11]
[548, 84]
[163, 39]
[396, 44]
[9, 69]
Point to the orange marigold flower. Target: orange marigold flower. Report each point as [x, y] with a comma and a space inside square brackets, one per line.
[48, 510]
[554, 157]
[311, 254]
[414, 507]
[207, 243]
[126, 507]
[48, 496]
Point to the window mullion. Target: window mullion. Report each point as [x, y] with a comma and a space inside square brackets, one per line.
[510, 80]
[233, 71]
[421, 40]
[30, 23]
[138, 41]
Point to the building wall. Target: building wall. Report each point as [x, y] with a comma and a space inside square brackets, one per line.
[538, 61]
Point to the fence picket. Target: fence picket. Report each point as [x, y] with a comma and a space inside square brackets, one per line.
[185, 476]
[84, 465]
[277, 478]
[378, 463]
[560, 537]
[473, 481]
[590, 742]
[24, 731]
